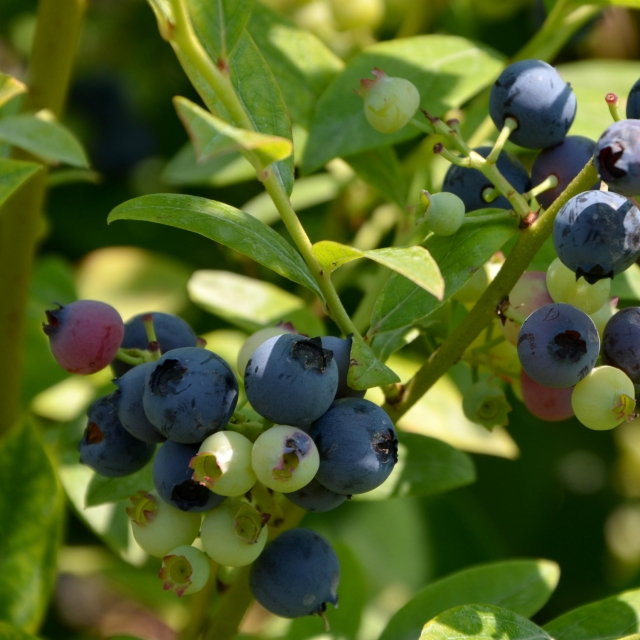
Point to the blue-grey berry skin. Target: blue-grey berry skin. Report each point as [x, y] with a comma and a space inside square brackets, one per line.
[621, 342]
[173, 481]
[532, 92]
[596, 234]
[357, 444]
[469, 184]
[633, 101]
[316, 497]
[296, 575]
[291, 380]
[172, 332]
[617, 157]
[564, 161]
[127, 400]
[189, 394]
[558, 345]
[107, 447]
[342, 355]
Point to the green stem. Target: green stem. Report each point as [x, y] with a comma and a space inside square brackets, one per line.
[488, 218]
[21, 223]
[612, 102]
[484, 311]
[232, 607]
[510, 125]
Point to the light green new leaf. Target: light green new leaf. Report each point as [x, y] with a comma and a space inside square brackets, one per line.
[332, 255]
[459, 256]
[219, 23]
[102, 490]
[212, 136]
[425, 467]
[9, 632]
[44, 137]
[10, 88]
[610, 618]
[447, 71]
[31, 512]
[12, 174]
[365, 370]
[481, 622]
[224, 224]
[522, 586]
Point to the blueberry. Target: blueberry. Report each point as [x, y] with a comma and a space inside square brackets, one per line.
[633, 102]
[291, 379]
[596, 234]
[342, 356]
[127, 400]
[618, 157]
[189, 394]
[315, 497]
[469, 184]
[558, 345]
[296, 575]
[621, 342]
[173, 481]
[172, 332]
[107, 447]
[544, 105]
[357, 444]
[565, 161]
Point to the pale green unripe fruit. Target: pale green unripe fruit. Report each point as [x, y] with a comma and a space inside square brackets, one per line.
[233, 534]
[158, 527]
[352, 14]
[185, 569]
[563, 287]
[604, 398]
[603, 315]
[389, 103]
[253, 342]
[285, 458]
[223, 464]
[486, 404]
[444, 213]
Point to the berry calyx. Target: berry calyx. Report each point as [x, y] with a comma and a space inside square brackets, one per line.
[486, 404]
[185, 570]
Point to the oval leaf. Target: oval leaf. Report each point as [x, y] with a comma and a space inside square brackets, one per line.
[224, 224]
[10, 88]
[13, 173]
[102, 490]
[332, 255]
[481, 622]
[522, 586]
[43, 137]
[365, 370]
[447, 70]
[31, 512]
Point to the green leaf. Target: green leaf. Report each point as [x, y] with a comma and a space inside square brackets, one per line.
[10, 88]
[44, 137]
[459, 256]
[611, 618]
[332, 255]
[219, 23]
[9, 632]
[425, 467]
[212, 136]
[13, 173]
[387, 343]
[102, 490]
[31, 512]
[482, 622]
[302, 64]
[365, 370]
[522, 586]
[249, 304]
[380, 169]
[447, 70]
[224, 224]
[626, 286]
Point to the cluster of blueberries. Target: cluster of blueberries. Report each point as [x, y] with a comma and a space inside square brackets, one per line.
[319, 443]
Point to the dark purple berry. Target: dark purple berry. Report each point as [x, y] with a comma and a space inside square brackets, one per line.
[342, 355]
[621, 342]
[618, 157]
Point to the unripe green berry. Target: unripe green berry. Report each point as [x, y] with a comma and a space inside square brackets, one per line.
[355, 14]
[444, 213]
[563, 287]
[185, 569]
[486, 404]
[389, 103]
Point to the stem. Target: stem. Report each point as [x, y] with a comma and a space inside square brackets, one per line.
[489, 217]
[510, 125]
[54, 47]
[550, 182]
[612, 102]
[484, 311]
[231, 609]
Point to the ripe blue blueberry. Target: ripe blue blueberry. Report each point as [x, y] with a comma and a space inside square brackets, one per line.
[315, 497]
[469, 184]
[621, 342]
[617, 157]
[190, 394]
[633, 101]
[296, 575]
[596, 234]
[357, 444]
[564, 161]
[342, 356]
[107, 447]
[173, 481]
[291, 379]
[127, 400]
[544, 105]
[558, 345]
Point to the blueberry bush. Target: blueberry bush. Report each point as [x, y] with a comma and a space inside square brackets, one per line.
[372, 373]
